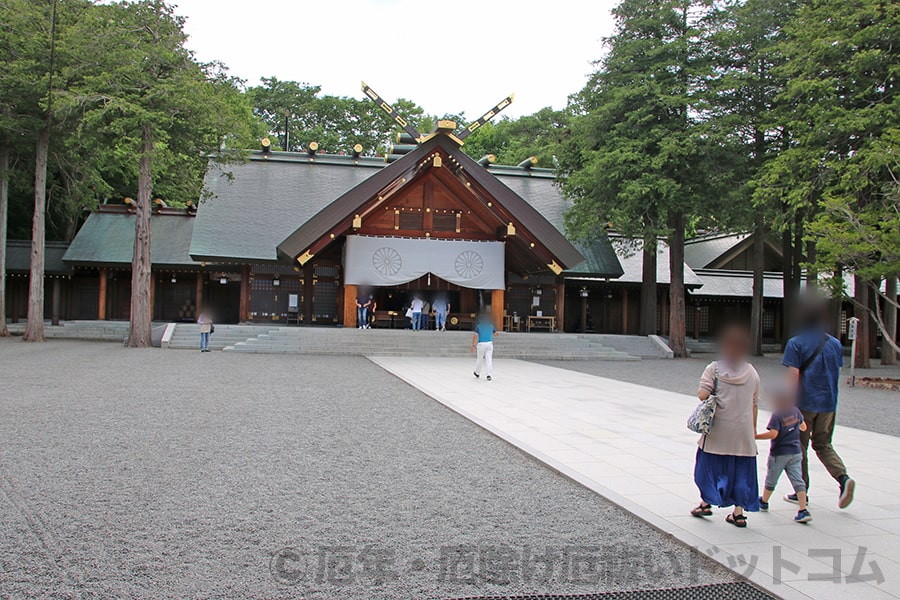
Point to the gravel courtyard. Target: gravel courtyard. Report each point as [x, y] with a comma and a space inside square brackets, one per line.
[175, 474]
[859, 407]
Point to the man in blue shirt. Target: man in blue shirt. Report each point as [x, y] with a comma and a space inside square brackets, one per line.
[483, 345]
[815, 358]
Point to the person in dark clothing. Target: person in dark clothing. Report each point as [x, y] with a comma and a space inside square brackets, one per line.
[814, 359]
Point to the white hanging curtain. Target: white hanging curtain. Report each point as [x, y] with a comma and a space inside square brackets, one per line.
[384, 261]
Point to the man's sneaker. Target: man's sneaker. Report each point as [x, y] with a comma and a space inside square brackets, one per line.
[848, 486]
[475, 373]
[791, 498]
[763, 506]
[488, 377]
[803, 516]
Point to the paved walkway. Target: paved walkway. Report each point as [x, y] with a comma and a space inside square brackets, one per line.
[628, 443]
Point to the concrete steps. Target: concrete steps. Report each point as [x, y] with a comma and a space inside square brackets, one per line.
[110, 331]
[388, 342]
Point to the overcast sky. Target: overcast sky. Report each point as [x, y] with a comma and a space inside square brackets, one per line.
[451, 56]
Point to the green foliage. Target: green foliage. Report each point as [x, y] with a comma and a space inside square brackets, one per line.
[149, 81]
[514, 140]
[845, 115]
[336, 123]
[639, 148]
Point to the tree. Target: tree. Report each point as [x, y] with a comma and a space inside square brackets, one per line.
[745, 50]
[167, 113]
[638, 156]
[842, 61]
[514, 140]
[4, 212]
[295, 114]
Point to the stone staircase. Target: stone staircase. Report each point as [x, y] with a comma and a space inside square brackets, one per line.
[709, 346]
[110, 331]
[394, 342]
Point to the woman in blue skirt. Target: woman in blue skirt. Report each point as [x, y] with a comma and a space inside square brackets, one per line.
[725, 468]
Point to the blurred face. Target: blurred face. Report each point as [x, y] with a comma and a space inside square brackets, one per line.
[735, 343]
[782, 401]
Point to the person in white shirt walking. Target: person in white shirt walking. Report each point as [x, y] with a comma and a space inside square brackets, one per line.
[483, 346]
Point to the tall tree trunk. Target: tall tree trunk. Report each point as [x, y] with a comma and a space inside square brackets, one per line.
[140, 331]
[650, 257]
[861, 295]
[34, 330]
[797, 260]
[837, 303]
[888, 354]
[759, 264]
[812, 274]
[4, 212]
[676, 285]
[787, 274]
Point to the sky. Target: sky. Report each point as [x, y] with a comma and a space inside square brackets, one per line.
[449, 57]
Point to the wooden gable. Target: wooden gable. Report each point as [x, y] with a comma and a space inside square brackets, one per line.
[437, 191]
[433, 205]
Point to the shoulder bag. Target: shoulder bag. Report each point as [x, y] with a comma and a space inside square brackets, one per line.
[701, 419]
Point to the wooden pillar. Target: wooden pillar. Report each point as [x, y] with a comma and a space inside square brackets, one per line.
[624, 311]
[308, 291]
[497, 301]
[349, 305]
[54, 302]
[561, 306]
[664, 316]
[198, 303]
[697, 321]
[101, 300]
[584, 313]
[244, 307]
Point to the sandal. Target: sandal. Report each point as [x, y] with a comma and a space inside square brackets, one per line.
[704, 510]
[736, 520]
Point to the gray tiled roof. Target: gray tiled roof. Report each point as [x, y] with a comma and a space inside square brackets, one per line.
[263, 202]
[18, 257]
[738, 284]
[258, 204]
[631, 257]
[702, 251]
[107, 239]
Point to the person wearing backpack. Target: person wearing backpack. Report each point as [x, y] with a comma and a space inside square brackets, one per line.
[725, 468]
[814, 359]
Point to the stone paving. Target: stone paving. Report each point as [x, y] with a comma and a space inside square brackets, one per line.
[859, 407]
[155, 474]
[629, 443]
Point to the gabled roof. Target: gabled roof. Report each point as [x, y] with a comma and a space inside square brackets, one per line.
[716, 250]
[736, 284]
[107, 240]
[256, 205]
[629, 252]
[18, 257]
[335, 218]
[700, 252]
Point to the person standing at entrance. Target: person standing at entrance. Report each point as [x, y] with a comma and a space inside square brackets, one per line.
[416, 306]
[814, 359]
[483, 346]
[206, 327]
[441, 308]
[363, 302]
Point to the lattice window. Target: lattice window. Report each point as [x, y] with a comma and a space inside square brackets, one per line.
[410, 221]
[843, 322]
[447, 221]
[704, 319]
[768, 323]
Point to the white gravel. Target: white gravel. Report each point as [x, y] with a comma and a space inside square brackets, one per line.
[176, 474]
